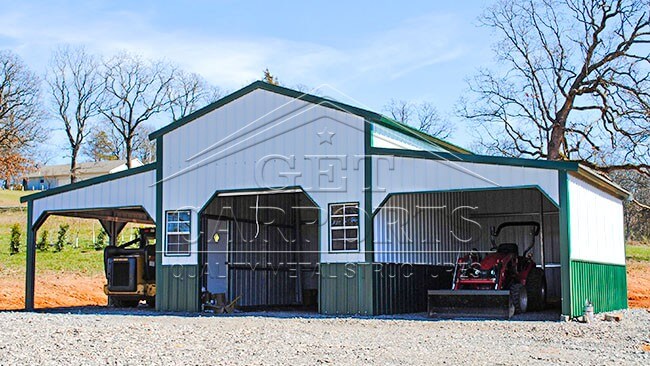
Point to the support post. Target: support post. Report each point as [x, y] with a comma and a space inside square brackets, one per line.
[30, 267]
[565, 243]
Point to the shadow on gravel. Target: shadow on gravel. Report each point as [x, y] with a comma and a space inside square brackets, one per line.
[544, 316]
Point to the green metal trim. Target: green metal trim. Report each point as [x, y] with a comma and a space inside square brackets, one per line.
[30, 265]
[604, 285]
[565, 243]
[245, 190]
[89, 182]
[368, 189]
[369, 223]
[503, 188]
[160, 292]
[479, 159]
[328, 103]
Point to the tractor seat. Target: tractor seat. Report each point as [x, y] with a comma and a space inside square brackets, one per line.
[508, 248]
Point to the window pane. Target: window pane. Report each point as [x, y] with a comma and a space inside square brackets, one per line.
[184, 227]
[352, 210]
[351, 233]
[172, 216]
[351, 244]
[351, 221]
[337, 209]
[184, 216]
[337, 221]
[184, 248]
[172, 228]
[338, 245]
[338, 234]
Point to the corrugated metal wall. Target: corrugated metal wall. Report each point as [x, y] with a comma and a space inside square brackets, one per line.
[260, 265]
[177, 288]
[273, 248]
[604, 285]
[434, 228]
[402, 288]
[422, 228]
[346, 288]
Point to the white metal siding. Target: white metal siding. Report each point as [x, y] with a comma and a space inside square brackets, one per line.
[256, 126]
[404, 174]
[596, 224]
[133, 190]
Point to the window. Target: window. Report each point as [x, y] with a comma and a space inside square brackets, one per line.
[344, 226]
[178, 233]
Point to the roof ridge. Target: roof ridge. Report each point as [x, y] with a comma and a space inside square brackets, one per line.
[369, 115]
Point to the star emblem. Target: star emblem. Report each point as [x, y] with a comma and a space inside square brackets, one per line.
[325, 136]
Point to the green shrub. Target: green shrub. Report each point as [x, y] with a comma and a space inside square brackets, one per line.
[62, 236]
[100, 242]
[42, 244]
[14, 240]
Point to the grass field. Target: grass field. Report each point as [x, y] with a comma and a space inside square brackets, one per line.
[638, 252]
[78, 256]
[12, 198]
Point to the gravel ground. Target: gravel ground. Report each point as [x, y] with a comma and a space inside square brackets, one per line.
[96, 336]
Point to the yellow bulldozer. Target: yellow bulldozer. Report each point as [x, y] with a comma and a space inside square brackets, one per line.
[131, 272]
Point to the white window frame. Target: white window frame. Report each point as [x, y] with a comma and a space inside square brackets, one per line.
[168, 233]
[344, 228]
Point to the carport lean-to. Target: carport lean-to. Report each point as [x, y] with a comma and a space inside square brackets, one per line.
[384, 198]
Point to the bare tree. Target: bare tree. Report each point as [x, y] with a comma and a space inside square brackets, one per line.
[75, 87]
[21, 114]
[189, 92]
[423, 116]
[573, 82]
[135, 91]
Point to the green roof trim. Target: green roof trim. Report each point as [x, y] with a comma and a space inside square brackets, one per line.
[479, 159]
[369, 116]
[89, 182]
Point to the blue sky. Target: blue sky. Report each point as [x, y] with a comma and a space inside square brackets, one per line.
[369, 51]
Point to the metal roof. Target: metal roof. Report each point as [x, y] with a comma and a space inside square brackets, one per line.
[370, 116]
[92, 167]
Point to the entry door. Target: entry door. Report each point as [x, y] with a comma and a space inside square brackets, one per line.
[217, 256]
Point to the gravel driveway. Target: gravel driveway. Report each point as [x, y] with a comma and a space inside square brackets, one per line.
[142, 337]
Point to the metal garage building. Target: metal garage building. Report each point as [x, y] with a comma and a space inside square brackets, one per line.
[291, 198]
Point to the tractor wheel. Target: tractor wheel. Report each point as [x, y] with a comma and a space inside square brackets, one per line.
[536, 287]
[519, 297]
[151, 301]
[125, 303]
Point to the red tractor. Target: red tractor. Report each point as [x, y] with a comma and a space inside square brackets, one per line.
[500, 284]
